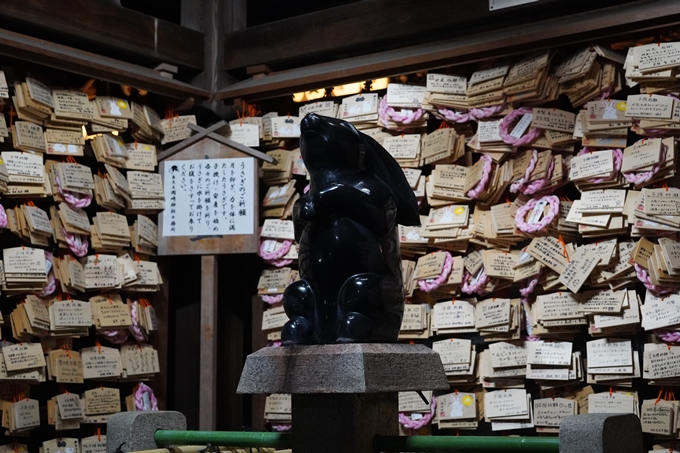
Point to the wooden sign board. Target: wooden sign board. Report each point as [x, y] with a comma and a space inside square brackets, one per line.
[195, 221]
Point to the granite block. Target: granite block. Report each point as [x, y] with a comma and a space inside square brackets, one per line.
[343, 368]
[601, 433]
[135, 430]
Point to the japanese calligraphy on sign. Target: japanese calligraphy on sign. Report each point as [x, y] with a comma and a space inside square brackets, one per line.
[209, 197]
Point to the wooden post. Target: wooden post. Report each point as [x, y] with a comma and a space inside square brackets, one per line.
[214, 18]
[259, 341]
[208, 386]
[161, 303]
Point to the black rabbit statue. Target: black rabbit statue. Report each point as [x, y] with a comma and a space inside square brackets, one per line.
[351, 287]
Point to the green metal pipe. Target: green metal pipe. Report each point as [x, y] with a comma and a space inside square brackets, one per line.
[466, 444]
[223, 438]
[451, 444]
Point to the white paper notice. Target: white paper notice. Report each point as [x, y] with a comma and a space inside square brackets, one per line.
[500, 4]
[206, 197]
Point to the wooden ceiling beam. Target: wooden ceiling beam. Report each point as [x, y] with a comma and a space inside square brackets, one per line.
[106, 28]
[582, 27]
[77, 61]
[371, 25]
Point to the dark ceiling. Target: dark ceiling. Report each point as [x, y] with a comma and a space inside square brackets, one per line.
[170, 10]
[259, 11]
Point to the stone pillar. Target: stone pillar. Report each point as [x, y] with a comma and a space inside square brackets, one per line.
[601, 433]
[342, 422]
[343, 394]
[134, 431]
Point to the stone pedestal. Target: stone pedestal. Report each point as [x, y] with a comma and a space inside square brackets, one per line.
[342, 422]
[134, 431]
[601, 433]
[343, 394]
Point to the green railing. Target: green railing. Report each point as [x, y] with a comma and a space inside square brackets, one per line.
[467, 444]
[224, 438]
[454, 444]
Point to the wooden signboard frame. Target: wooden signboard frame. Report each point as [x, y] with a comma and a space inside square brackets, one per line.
[206, 144]
[210, 245]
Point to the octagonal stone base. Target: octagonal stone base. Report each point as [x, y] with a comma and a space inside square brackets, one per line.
[343, 368]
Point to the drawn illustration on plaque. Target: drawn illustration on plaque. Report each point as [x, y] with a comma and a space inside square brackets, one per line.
[457, 408]
[351, 287]
[412, 235]
[114, 108]
[447, 217]
[278, 192]
[59, 148]
[290, 129]
[609, 110]
[362, 106]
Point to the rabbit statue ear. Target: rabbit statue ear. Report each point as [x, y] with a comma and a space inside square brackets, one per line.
[387, 170]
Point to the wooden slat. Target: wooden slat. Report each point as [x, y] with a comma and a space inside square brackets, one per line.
[371, 23]
[232, 144]
[259, 341]
[161, 304]
[608, 22]
[104, 27]
[207, 402]
[66, 58]
[189, 141]
[234, 360]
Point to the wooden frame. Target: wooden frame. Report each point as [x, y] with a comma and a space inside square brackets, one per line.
[203, 146]
[577, 28]
[138, 38]
[624, 20]
[28, 48]
[184, 144]
[107, 27]
[388, 24]
[183, 245]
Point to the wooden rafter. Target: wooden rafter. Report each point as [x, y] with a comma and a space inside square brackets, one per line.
[106, 28]
[27, 48]
[384, 24]
[225, 141]
[209, 132]
[603, 23]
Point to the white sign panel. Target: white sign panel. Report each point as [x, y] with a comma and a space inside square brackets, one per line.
[207, 197]
[500, 4]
